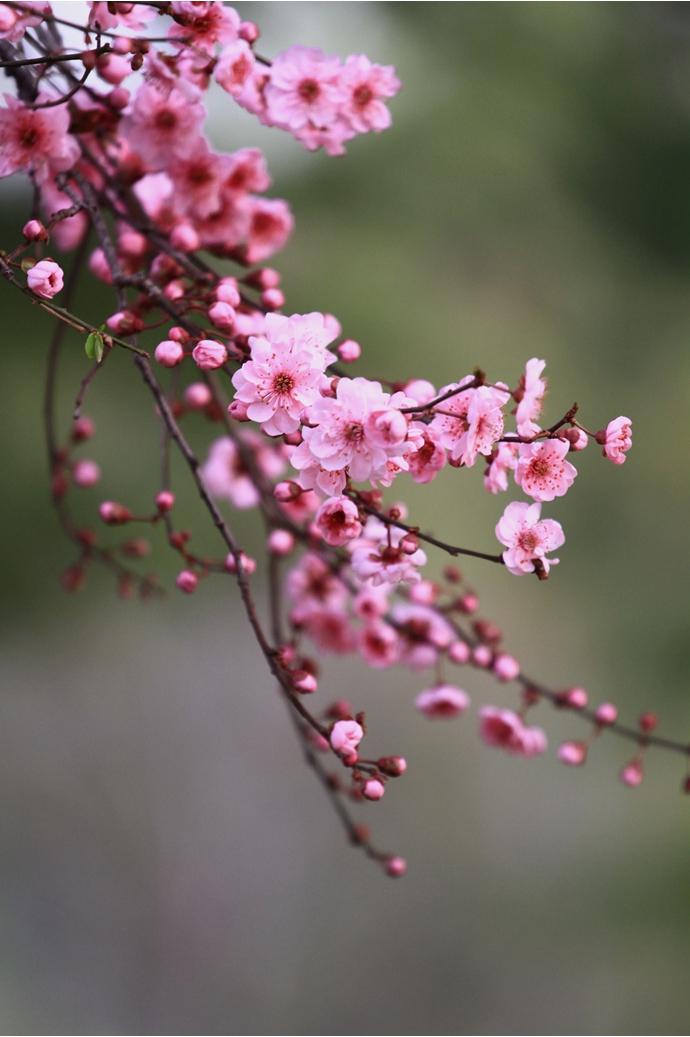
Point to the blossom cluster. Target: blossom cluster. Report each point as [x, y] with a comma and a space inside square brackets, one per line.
[289, 432]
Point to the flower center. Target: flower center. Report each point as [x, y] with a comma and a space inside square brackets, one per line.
[540, 467]
[362, 95]
[29, 137]
[528, 541]
[166, 119]
[308, 90]
[283, 383]
[354, 433]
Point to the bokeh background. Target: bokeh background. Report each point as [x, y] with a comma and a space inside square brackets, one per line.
[167, 863]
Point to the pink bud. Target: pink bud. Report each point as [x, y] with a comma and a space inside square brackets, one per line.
[184, 237]
[387, 428]
[346, 736]
[248, 31]
[169, 353]
[86, 473]
[409, 544]
[468, 603]
[482, 656]
[99, 266]
[648, 722]
[281, 542]
[45, 278]
[228, 292]
[632, 774]
[197, 396]
[247, 564]
[34, 231]
[349, 351]
[114, 514]
[573, 754]
[124, 322]
[131, 243]
[373, 789]
[396, 867]
[83, 429]
[178, 334]
[444, 700]
[222, 315]
[606, 714]
[287, 491]
[506, 667]
[209, 355]
[423, 593]
[273, 298]
[393, 766]
[575, 698]
[304, 681]
[187, 581]
[238, 410]
[119, 97]
[459, 652]
[165, 501]
[174, 290]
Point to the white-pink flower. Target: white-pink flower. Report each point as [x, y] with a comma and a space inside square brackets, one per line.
[35, 138]
[470, 422]
[616, 439]
[235, 66]
[531, 391]
[161, 126]
[528, 538]
[378, 557]
[379, 644]
[283, 376]
[346, 435]
[366, 87]
[428, 457]
[226, 476]
[338, 521]
[542, 470]
[270, 224]
[423, 633]
[303, 87]
[505, 730]
[503, 460]
[45, 278]
[442, 701]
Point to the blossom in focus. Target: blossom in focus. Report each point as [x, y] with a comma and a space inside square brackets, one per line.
[616, 439]
[542, 470]
[366, 87]
[505, 730]
[205, 21]
[338, 521]
[470, 422]
[346, 736]
[444, 700]
[45, 278]
[35, 139]
[528, 538]
[303, 87]
[283, 376]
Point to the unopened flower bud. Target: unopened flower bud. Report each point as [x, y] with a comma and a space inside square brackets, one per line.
[86, 473]
[184, 237]
[222, 315]
[197, 396]
[165, 501]
[396, 867]
[632, 774]
[209, 354]
[114, 514]
[187, 581]
[34, 230]
[349, 351]
[83, 429]
[304, 681]
[373, 789]
[273, 298]
[169, 353]
[573, 754]
[281, 542]
[648, 722]
[287, 491]
[392, 766]
[606, 714]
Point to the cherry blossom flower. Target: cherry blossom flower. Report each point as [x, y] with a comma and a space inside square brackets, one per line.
[428, 457]
[338, 521]
[35, 139]
[346, 736]
[226, 476]
[542, 470]
[14, 22]
[270, 224]
[330, 629]
[161, 126]
[312, 586]
[531, 395]
[365, 86]
[283, 376]
[502, 461]
[341, 439]
[378, 644]
[527, 538]
[197, 180]
[506, 730]
[235, 66]
[423, 633]
[442, 701]
[45, 278]
[209, 354]
[470, 422]
[303, 88]
[207, 23]
[378, 557]
[111, 15]
[616, 439]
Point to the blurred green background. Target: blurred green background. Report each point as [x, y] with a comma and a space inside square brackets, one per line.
[167, 863]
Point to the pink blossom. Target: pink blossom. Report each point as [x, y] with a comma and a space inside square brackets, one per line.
[270, 225]
[35, 139]
[14, 22]
[379, 556]
[330, 629]
[531, 395]
[373, 789]
[470, 422]
[209, 355]
[527, 538]
[346, 736]
[606, 714]
[312, 586]
[169, 353]
[45, 278]
[341, 439]
[365, 86]
[616, 439]
[283, 376]
[161, 126]
[378, 644]
[86, 473]
[338, 521]
[197, 177]
[224, 472]
[506, 730]
[444, 700]
[207, 23]
[396, 867]
[244, 171]
[542, 471]
[187, 581]
[503, 460]
[506, 667]
[111, 15]
[303, 88]
[632, 774]
[428, 457]
[235, 66]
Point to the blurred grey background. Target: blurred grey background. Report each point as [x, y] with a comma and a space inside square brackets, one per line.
[167, 863]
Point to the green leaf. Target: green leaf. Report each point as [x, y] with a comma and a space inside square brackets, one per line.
[93, 347]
